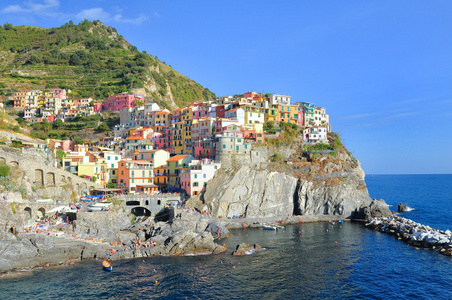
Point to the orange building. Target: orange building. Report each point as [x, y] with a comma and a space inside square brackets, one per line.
[287, 113]
[20, 99]
[134, 174]
[161, 177]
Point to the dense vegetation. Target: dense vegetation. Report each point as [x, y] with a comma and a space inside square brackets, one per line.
[91, 59]
[66, 130]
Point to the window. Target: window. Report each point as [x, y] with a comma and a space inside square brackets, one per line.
[224, 146]
[67, 163]
[133, 173]
[196, 176]
[108, 157]
[133, 180]
[204, 176]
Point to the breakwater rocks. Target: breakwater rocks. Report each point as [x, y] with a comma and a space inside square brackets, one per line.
[415, 234]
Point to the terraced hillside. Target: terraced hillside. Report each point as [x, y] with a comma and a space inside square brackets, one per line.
[92, 60]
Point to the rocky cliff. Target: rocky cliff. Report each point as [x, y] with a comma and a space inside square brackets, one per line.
[303, 183]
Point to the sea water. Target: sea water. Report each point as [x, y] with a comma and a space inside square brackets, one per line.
[308, 261]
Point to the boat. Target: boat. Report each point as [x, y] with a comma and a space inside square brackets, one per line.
[99, 206]
[341, 221]
[107, 266]
[268, 227]
[331, 222]
[280, 227]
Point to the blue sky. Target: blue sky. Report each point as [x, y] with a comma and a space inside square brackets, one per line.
[381, 68]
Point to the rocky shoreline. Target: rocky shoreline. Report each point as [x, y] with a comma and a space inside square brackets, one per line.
[116, 234]
[414, 234]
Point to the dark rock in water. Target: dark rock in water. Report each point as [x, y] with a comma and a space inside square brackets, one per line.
[244, 249]
[376, 209]
[403, 208]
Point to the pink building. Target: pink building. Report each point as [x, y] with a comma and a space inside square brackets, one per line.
[200, 112]
[300, 116]
[120, 101]
[67, 145]
[199, 172]
[56, 93]
[97, 107]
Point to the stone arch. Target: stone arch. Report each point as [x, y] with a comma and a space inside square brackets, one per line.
[70, 179]
[27, 213]
[91, 187]
[41, 212]
[77, 188]
[3, 160]
[147, 202]
[50, 179]
[84, 186]
[132, 203]
[14, 163]
[63, 178]
[39, 177]
[141, 211]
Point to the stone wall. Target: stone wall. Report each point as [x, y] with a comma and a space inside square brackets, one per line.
[257, 158]
[41, 173]
[16, 136]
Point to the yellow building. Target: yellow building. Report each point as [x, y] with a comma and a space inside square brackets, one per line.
[187, 119]
[178, 144]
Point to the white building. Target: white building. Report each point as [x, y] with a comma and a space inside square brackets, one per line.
[236, 114]
[279, 99]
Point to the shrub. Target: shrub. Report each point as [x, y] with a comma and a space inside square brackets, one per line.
[4, 170]
[276, 157]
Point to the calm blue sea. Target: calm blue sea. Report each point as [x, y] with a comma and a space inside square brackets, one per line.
[309, 261]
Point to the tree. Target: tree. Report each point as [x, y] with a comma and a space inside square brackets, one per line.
[46, 126]
[112, 185]
[74, 60]
[60, 153]
[8, 26]
[58, 123]
[77, 140]
[94, 178]
[103, 127]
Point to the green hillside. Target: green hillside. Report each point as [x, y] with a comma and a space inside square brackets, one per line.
[92, 60]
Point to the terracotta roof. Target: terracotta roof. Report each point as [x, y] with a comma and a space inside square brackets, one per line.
[178, 157]
[135, 138]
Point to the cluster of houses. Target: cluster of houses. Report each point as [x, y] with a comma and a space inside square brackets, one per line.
[155, 149]
[39, 106]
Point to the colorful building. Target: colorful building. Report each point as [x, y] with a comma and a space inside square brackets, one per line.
[175, 165]
[194, 178]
